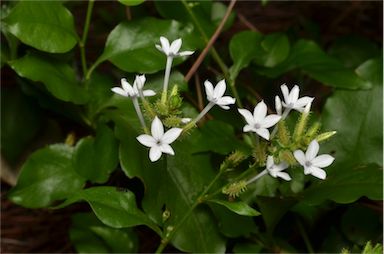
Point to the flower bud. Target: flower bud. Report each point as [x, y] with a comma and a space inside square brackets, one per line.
[324, 136]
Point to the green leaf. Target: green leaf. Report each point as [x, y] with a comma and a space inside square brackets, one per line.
[95, 158]
[131, 45]
[131, 2]
[271, 215]
[46, 176]
[346, 184]
[241, 55]
[114, 208]
[218, 137]
[247, 247]
[47, 26]
[238, 207]
[173, 183]
[58, 78]
[311, 59]
[357, 117]
[89, 235]
[17, 112]
[275, 48]
[231, 224]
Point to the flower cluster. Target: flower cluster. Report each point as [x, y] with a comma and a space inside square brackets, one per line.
[258, 122]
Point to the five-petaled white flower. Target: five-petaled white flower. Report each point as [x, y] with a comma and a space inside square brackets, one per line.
[312, 164]
[159, 142]
[259, 121]
[215, 95]
[275, 170]
[133, 91]
[172, 50]
[291, 99]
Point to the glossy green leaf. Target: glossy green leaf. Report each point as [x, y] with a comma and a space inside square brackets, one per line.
[271, 215]
[131, 2]
[241, 55]
[311, 59]
[114, 208]
[131, 45]
[275, 49]
[45, 25]
[46, 176]
[218, 137]
[95, 158]
[89, 235]
[17, 111]
[169, 186]
[58, 78]
[346, 184]
[238, 207]
[231, 224]
[358, 119]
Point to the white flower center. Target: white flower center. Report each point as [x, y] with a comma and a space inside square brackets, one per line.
[308, 163]
[256, 125]
[158, 142]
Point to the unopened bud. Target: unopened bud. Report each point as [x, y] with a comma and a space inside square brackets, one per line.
[324, 136]
[235, 189]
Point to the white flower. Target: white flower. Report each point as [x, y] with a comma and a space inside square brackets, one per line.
[133, 91]
[159, 142]
[259, 121]
[186, 120]
[279, 108]
[312, 164]
[291, 99]
[275, 170]
[215, 95]
[172, 50]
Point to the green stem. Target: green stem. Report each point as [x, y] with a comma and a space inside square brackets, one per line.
[200, 199]
[304, 235]
[166, 79]
[84, 38]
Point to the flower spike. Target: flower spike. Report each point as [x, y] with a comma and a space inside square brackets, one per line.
[312, 163]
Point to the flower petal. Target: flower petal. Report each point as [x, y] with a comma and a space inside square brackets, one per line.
[312, 150]
[269, 121]
[159, 48]
[164, 45]
[140, 81]
[119, 91]
[171, 135]
[270, 162]
[219, 89]
[284, 176]
[186, 53]
[126, 86]
[157, 129]
[165, 148]
[294, 94]
[248, 128]
[318, 172]
[323, 160]
[285, 91]
[146, 140]
[247, 116]
[223, 106]
[147, 93]
[186, 120]
[300, 157]
[260, 112]
[302, 102]
[175, 46]
[263, 133]
[209, 90]
[278, 107]
[280, 167]
[154, 153]
[226, 100]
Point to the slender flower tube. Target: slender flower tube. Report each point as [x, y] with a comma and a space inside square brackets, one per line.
[133, 92]
[171, 50]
